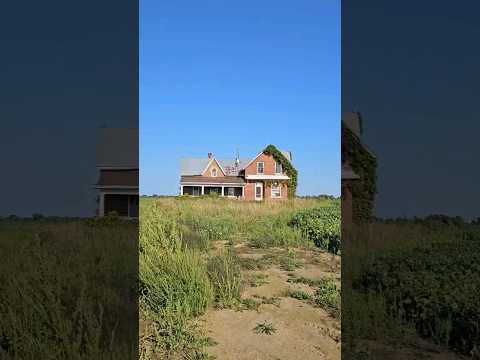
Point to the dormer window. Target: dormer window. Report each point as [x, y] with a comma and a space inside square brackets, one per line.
[213, 172]
[260, 167]
[278, 168]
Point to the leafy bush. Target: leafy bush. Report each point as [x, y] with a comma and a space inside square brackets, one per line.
[327, 296]
[436, 288]
[320, 225]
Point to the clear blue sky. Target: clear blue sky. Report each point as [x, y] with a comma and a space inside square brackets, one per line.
[220, 75]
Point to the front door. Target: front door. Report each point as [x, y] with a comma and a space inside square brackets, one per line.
[258, 191]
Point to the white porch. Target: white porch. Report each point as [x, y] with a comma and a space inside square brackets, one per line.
[223, 190]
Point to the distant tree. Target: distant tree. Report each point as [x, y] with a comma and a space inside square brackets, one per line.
[37, 216]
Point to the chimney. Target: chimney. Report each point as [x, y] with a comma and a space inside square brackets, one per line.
[209, 155]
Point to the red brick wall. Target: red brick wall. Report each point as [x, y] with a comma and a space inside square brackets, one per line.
[267, 191]
[269, 165]
[249, 191]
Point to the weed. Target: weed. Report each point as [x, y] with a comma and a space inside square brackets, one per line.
[327, 296]
[256, 280]
[266, 328]
[225, 274]
[299, 295]
[290, 262]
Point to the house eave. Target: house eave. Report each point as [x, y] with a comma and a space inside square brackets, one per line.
[267, 177]
[193, 183]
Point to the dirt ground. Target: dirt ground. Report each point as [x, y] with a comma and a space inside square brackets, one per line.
[302, 330]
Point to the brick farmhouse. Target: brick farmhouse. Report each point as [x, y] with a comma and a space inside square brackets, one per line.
[257, 179]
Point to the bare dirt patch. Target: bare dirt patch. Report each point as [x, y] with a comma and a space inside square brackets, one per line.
[302, 331]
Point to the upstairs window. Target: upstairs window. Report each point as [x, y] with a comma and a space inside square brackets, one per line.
[260, 167]
[278, 168]
[213, 172]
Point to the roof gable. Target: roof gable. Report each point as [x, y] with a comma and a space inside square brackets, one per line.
[210, 163]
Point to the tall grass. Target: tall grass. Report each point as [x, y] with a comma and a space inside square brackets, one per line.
[68, 290]
[225, 273]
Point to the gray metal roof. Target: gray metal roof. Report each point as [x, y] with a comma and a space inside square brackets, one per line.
[228, 165]
[117, 147]
[195, 166]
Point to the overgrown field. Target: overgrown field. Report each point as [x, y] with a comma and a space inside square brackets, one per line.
[184, 271]
[68, 289]
[412, 279]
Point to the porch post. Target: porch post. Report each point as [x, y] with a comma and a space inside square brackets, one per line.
[203, 189]
[243, 191]
[223, 190]
[101, 204]
[181, 189]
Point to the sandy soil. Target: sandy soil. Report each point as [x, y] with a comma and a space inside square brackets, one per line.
[302, 331]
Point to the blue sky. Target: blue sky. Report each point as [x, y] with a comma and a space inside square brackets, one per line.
[216, 76]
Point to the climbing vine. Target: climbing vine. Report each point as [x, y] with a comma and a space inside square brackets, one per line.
[287, 167]
[365, 165]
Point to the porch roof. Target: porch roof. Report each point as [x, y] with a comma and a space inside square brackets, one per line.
[222, 180]
[118, 178]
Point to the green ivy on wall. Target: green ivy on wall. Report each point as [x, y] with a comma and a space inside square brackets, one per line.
[287, 167]
[365, 165]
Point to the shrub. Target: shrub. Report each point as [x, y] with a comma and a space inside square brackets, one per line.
[435, 287]
[320, 225]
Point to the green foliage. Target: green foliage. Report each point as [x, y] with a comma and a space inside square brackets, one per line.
[257, 280]
[225, 274]
[273, 232]
[320, 225]
[289, 262]
[436, 288]
[365, 165]
[266, 328]
[287, 167]
[327, 296]
[299, 295]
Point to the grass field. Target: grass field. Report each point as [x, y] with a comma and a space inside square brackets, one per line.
[218, 276]
[68, 289]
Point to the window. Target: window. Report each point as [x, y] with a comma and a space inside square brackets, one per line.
[214, 172]
[260, 166]
[278, 168]
[276, 191]
[231, 191]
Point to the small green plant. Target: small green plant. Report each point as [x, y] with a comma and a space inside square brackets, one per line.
[257, 280]
[275, 300]
[289, 262]
[327, 296]
[250, 304]
[265, 327]
[299, 295]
